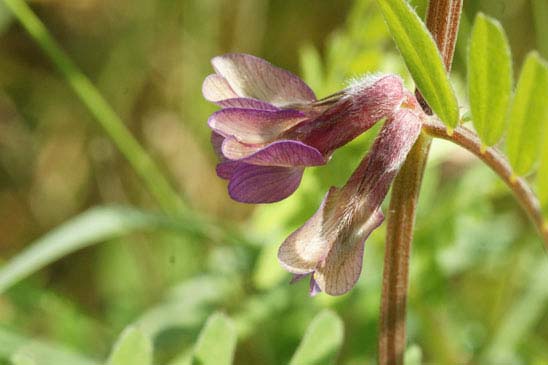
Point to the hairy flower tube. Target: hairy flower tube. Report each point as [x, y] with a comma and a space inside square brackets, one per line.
[330, 245]
[271, 126]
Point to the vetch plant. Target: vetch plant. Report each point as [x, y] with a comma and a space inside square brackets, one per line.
[272, 126]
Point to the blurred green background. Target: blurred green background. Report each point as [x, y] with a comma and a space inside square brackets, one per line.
[478, 293]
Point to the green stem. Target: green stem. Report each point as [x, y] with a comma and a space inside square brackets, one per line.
[496, 161]
[141, 162]
[443, 21]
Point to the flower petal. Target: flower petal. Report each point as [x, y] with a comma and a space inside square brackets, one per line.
[215, 88]
[226, 169]
[279, 153]
[246, 103]
[307, 246]
[314, 287]
[217, 142]
[253, 126]
[253, 77]
[341, 269]
[234, 150]
[263, 184]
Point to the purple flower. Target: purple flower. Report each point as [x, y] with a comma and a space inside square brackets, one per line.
[271, 126]
[330, 245]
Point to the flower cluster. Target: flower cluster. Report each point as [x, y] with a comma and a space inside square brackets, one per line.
[271, 126]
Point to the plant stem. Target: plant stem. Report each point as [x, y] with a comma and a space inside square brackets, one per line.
[443, 21]
[498, 163]
[154, 180]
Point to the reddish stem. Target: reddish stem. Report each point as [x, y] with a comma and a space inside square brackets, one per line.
[443, 21]
[496, 161]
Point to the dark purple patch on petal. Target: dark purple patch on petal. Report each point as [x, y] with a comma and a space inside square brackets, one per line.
[297, 277]
[217, 142]
[226, 169]
[314, 287]
[263, 184]
[286, 153]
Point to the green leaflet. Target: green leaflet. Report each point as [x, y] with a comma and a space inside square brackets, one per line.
[489, 78]
[217, 341]
[133, 347]
[542, 176]
[422, 59]
[322, 340]
[528, 113]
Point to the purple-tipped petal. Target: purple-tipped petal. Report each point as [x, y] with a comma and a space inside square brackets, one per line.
[246, 103]
[280, 153]
[287, 154]
[253, 77]
[342, 268]
[314, 287]
[297, 277]
[263, 184]
[305, 248]
[217, 142]
[253, 126]
[226, 169]
[234, 150]
[216, 88]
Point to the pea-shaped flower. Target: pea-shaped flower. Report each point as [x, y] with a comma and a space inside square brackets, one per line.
[330, 245]
[271, 126]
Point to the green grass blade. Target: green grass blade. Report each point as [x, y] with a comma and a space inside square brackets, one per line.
[217, 341]
[94, 226]
[141, 162]
[322, 340]
[132, 347]
[17, 347]
[489, 78]
[528, 115]
[422, 59]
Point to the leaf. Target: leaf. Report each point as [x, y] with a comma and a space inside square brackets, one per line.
[528, 113]
[217, 342]
[422, 59]
[132, 347]
[322, 340]
[542, 175]
[93, 226]
[489, 78]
